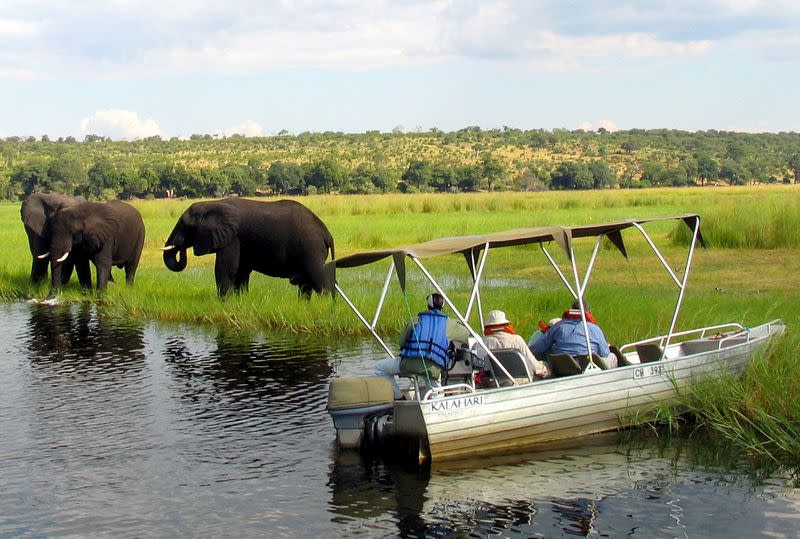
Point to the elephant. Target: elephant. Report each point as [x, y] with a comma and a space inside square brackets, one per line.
[280, 239]
[37, 212]
[111, 234]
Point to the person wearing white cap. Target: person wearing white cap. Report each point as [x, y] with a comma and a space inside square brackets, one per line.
[501, 334]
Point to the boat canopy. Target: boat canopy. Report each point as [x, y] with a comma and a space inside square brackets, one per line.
[475, 248]
[467, 245]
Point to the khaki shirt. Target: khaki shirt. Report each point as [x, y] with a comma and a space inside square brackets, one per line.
[501, 339]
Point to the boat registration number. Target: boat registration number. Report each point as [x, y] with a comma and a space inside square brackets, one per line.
[649, 370]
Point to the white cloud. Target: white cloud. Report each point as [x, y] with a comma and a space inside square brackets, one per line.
[634, 45]
[18, 28]
[608, 125]
[99, 39]
[119, 124]
[250, 128]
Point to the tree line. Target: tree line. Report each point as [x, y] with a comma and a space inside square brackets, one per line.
[466, 160]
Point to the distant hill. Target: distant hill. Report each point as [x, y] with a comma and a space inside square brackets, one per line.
[469, 159]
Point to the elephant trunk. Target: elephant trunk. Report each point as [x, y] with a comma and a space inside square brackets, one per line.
[175, 259]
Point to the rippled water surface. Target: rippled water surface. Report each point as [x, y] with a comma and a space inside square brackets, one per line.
[112, 428]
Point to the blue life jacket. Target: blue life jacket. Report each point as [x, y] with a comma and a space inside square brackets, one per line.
[428, 338]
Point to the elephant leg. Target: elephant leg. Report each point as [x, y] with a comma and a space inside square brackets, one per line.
[39, 270]
[242, 282]
[130, 271]
[103, 274]
[84, 273]
[226, 268]
[66, 270]
[317, 277]
[304, 290]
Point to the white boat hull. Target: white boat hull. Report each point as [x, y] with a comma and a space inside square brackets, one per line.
[509, 419]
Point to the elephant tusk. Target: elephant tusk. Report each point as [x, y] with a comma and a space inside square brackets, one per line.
[42, 257]
[63, 258]
[167, 248]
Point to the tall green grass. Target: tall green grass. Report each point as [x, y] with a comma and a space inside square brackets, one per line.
[762, 220]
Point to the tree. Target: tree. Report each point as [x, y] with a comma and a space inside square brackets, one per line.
[31, 176]
[794, 166]
[327, 175]
[418, 174]
[602, 175]
[674, 176]
[572, 175]
[653, 173]
[241, 180]
[493, 169]
[629, 146]
[443, 178]
[733, 173]
[104, 179]
[468, 178]
[66, 175]
[707, 169]
[285, 178]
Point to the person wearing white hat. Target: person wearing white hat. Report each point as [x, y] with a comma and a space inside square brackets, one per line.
[501, 334]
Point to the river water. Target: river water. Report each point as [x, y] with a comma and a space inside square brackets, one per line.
[109, 428]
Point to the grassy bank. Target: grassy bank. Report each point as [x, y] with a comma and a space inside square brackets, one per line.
[750, 274]
[748, 283]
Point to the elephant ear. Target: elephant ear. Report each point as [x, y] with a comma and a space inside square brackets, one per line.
[33, 215]
[217, 228]
[98, 228]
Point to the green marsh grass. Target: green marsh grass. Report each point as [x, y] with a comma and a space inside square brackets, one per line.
[747, 277]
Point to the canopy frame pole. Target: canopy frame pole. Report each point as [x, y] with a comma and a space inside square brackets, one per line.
[591, 366]
[476, 291]
[461, 317]
[558, 270]
[383, 295]
[658, 253]
[590, 267]
[363, 320]
[695, 232]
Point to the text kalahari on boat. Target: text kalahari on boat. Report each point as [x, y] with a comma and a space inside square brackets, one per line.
[460, 418]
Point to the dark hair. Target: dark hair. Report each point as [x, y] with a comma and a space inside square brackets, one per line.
[577, 304]
[435, 301]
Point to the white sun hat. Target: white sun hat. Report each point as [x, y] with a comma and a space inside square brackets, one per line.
[497, 318]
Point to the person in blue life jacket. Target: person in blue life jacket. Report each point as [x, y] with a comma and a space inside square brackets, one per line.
[423, 347]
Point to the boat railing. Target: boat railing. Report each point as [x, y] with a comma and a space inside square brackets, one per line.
[702, 334]
[448, 391]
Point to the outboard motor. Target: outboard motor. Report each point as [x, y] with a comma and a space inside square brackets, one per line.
[351, 399]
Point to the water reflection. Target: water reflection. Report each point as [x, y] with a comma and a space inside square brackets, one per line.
[76, 340]
[115, 428]
[610, 485]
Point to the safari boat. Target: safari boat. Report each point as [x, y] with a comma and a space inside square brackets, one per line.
[487, 401]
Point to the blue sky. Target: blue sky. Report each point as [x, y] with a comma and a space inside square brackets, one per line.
[129, 69]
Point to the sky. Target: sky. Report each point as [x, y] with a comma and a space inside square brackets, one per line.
[130, 69]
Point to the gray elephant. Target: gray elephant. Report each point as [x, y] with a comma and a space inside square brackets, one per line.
[37, 211]
[111, 234]
[280, 239]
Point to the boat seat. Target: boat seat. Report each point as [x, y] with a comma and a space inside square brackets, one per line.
[564, 365]
[514, 362]
[622, 361]
[649, 352]
[464, 364]
[583, 361]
